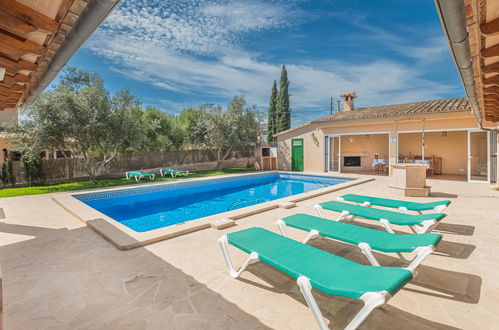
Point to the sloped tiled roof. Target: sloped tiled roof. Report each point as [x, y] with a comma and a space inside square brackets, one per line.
[396, 110]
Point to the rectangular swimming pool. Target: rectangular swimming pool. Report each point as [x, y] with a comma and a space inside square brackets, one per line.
[148, 208]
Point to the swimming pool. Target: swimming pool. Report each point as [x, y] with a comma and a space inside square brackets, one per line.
[148, 208]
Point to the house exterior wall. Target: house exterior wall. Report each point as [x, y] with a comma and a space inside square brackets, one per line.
[313, 137]
[368, 147]
[313, 149]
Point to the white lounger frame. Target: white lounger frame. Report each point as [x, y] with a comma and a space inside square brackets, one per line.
[173, 173]
[371, 299]
[421, 252]
[436, 209]
[138, 177]
[425, 226]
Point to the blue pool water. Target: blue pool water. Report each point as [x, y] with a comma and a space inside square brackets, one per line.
[144, 209]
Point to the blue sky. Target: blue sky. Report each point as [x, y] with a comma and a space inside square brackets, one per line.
[174, 54]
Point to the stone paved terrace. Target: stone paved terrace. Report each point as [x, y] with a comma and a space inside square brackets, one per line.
[59, 274]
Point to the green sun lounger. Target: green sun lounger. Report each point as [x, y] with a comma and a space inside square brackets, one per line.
[172, 172]
[419, 223]
[404, 206]
[318, 269]
[366, 239]
[138, 175]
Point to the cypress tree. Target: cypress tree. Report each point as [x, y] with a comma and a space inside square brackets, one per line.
[283, 113]
[272, 119]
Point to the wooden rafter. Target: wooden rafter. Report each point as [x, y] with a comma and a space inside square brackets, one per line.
[28, 16]
[491, 81]
[14, 88]
[15, 48]
[491, 28]
[8, 81]
[491, 51]
[13, 67]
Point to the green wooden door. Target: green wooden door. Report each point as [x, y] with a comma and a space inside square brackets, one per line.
[297, 154]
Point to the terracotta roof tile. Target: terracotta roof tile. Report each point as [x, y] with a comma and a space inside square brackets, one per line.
[395, 110]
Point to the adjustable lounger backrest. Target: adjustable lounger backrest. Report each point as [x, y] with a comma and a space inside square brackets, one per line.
[377, 214]
[394, 203]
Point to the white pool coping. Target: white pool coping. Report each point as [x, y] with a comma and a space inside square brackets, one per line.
[125, 238]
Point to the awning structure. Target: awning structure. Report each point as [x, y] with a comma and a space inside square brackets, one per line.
[37, 38]
[472, 29]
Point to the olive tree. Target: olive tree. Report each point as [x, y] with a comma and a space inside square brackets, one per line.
[80, 118]
[223, 131]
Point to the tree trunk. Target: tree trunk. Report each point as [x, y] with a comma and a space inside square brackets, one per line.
[219, 159]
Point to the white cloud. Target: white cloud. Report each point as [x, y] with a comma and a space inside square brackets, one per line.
[191, 48]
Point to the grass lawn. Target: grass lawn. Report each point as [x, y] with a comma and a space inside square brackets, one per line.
[36, 190]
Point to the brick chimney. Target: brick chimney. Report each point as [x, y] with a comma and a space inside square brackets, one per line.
[348, 100]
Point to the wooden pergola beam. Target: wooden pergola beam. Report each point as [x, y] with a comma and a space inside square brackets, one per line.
[14, 88]
[491, 80]
[491, 90]
[28, 16]
[8, 81]
[491, 51]
[13, 67]
[494, 67]
[15, 48]
[490, 28]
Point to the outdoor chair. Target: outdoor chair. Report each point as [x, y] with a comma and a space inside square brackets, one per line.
[418, 223]
[404, 206]
[318, 269]
[138, 175]
[366, 239]
[172, 172]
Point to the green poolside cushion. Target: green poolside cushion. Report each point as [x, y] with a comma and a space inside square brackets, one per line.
[394, 203]
[345, 232]
[396, 218]
[168, 170]
[134, 173]
[327, 272]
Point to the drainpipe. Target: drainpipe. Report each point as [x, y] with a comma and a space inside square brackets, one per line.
[453, 19]
[90, 19]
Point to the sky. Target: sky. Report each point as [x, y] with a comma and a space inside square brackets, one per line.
[174, 54]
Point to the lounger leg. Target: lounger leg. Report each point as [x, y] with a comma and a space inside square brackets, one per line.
[344, 215]
[404, 209]
[280, 226]
[387, 226]
[253, 257]
[439, 209]
[340, 199]
[371, 301]
[319, 209]
[367, 251]
[425, 226]
[422, 252]
[306, 291]
[366, 204]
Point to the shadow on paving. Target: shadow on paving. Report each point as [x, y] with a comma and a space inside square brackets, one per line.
[66, 279]
[340, 310]
[443, 283]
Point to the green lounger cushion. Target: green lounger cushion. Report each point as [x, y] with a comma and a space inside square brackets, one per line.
[346, 232]
[327, 272]
[394, 203]
[138, 174]
[396, 218]
[175, 171]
